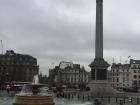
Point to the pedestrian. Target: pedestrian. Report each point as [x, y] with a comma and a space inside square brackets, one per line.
[97, 102]
[130, 100]
[8, 89]
[121, 102]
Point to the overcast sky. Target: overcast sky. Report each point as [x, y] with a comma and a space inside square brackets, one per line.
[56, 30]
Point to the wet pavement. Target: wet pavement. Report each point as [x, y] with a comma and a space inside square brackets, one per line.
[7, 99]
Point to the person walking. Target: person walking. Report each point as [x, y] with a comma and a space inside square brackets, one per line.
[8, 89]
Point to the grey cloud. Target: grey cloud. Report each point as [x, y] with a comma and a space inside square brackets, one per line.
[55, 30]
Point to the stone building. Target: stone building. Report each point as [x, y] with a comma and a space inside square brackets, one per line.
[75, 76]
[121, 75]
[53, 76]
[126, 75]
[135, 72]
[17, 67]
[71, 75]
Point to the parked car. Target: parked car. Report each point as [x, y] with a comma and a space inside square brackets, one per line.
[131, 89]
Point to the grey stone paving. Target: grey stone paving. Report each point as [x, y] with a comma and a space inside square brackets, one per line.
[119, 101]
[122, 99]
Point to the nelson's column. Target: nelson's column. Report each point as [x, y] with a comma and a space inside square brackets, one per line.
[99, 84]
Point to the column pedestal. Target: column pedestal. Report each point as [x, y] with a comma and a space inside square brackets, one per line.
[99, 84]
[100, 88]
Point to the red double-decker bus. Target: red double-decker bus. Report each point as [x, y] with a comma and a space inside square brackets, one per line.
[14, 85]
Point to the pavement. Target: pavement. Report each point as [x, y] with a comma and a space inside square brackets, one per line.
[6, 100]
[119, 101]
[4, 93]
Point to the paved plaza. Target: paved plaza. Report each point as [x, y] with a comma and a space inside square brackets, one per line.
[120, 99]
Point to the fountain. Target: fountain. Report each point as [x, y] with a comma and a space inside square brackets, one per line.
[34, 94]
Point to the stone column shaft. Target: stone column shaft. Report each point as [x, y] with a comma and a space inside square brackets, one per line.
[99, 29]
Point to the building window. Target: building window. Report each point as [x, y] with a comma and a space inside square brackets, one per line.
[139, 76]
[127, 79]
[139, 82]
[139, 71]
[135, 71]
[135, 76]
[134, 66]
[123, 79]
[113, 80]
[113, 70]
[117, 79]
[93, 74]
[135, 82]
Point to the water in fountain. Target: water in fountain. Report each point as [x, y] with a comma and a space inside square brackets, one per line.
[35, 80]
[35, 88]
[25, 91]
[34, 94]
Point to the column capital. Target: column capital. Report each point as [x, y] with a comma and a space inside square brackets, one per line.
[97, 1]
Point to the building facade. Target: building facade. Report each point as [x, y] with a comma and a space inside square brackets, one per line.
[126, 75]
[135, 72]
[17, 67]
[121, 75]
[53, 76]
[74, 76]
[71, 75]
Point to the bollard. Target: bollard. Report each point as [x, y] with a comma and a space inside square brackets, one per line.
[78, 96]
[83, 97]
[137, 100]
[72, 96]
[116, 99]
[66, 96]
[69, 95]
[88, 98]
[124, 100]
[109, 99]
